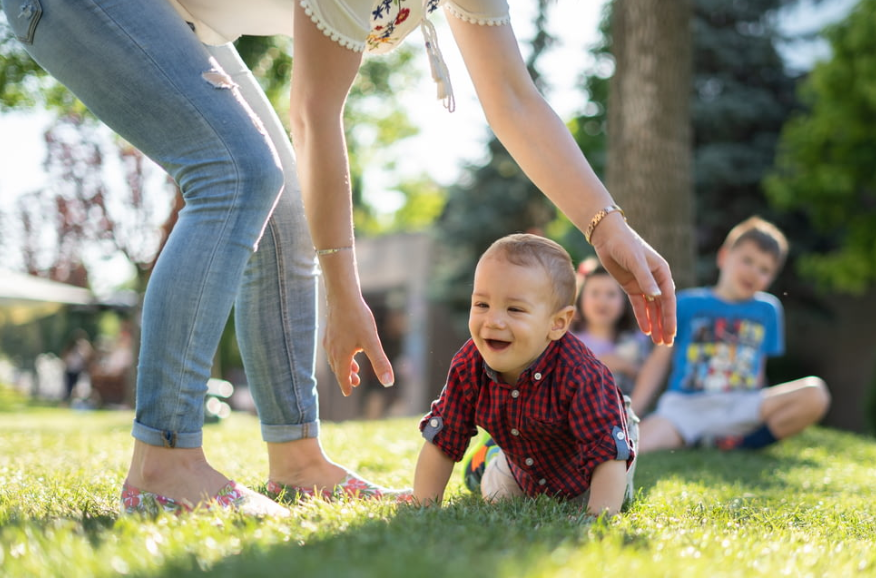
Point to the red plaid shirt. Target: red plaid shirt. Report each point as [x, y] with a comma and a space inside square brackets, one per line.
[562, 418]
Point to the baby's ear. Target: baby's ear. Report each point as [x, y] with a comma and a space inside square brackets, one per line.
[560, 322]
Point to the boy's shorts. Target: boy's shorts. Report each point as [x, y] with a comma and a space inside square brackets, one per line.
[695, 415]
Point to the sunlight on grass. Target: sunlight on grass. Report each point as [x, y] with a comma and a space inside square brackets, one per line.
[802, 508]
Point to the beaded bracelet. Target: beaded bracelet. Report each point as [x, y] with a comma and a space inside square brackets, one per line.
[322, 252]
[597, 218]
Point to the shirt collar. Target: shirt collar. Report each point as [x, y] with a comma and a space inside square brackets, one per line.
[542, 365]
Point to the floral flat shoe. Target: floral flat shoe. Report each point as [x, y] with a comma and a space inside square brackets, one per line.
[232, 496]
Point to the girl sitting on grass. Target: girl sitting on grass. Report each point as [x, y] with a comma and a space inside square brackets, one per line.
[604, 321]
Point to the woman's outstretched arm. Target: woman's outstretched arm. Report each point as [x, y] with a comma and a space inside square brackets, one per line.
[543, 147]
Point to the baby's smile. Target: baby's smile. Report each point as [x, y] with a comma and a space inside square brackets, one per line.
[496, 344]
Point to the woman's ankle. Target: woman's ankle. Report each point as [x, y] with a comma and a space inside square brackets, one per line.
[303, 463]
[175, 473]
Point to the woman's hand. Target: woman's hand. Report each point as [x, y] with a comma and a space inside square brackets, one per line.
[642, 273]
[350, 328]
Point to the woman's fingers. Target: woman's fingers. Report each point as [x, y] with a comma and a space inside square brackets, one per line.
[381, 365]
[341, 353]
[646, 278]
[665, 316]
[345, 379]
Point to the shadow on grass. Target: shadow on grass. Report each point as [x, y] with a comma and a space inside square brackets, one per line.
[757, 470]
[710, 467]
[464, 538]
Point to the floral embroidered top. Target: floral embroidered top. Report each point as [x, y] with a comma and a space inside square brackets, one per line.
[373, 26]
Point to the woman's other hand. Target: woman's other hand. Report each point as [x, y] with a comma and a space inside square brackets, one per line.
[350, 329]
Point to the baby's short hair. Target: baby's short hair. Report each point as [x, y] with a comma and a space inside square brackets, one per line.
[766, 236]
[526, 250]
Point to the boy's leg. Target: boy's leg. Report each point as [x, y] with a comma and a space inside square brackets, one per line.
[786, 410]
[658, 433]
[791, 407]
[498, 482]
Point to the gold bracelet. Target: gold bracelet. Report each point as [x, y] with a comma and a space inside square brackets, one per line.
[597, 218]
[322, 252]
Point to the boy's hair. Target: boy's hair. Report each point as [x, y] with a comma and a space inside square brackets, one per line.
[762, 233]
[526, 250]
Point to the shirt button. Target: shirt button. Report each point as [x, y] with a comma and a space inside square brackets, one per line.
[515, 394]
[433, 422]
[515, 432]
[542, 482]
[620, 435]
[537, 376]
[529, 461]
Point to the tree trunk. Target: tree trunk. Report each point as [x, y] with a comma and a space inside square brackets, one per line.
[649, 168]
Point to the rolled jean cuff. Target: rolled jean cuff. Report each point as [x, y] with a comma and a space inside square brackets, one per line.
[167, 439]
[277, 434]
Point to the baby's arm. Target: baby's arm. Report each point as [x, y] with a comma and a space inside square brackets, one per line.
[431, 475]
[607, 488]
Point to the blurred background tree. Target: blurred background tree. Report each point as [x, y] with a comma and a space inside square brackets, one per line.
[826, 157]
[824, 168]
[649, 160]
[741, 94]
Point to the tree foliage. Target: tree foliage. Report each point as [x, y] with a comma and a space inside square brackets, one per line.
[742, 96]
[95, 203]
[826, 160]
[23, 84]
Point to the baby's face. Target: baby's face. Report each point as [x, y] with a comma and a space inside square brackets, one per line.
[513, 315]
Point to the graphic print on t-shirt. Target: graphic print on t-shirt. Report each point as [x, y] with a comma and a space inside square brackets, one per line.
[723, 355]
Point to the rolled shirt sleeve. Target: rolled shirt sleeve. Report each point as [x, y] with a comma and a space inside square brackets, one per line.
[597, 418]
[450, 423]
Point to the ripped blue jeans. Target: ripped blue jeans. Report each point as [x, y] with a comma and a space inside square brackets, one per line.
[241, 239]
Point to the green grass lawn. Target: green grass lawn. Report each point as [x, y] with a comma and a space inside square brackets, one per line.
[802, 508]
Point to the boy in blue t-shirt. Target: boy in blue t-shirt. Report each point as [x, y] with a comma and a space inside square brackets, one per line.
[717, 394]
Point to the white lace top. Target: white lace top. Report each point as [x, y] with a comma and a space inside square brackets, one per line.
[373, 26]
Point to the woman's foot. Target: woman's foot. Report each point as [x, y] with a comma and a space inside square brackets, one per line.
[300, 468]
[231, 496]
[180, 479]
